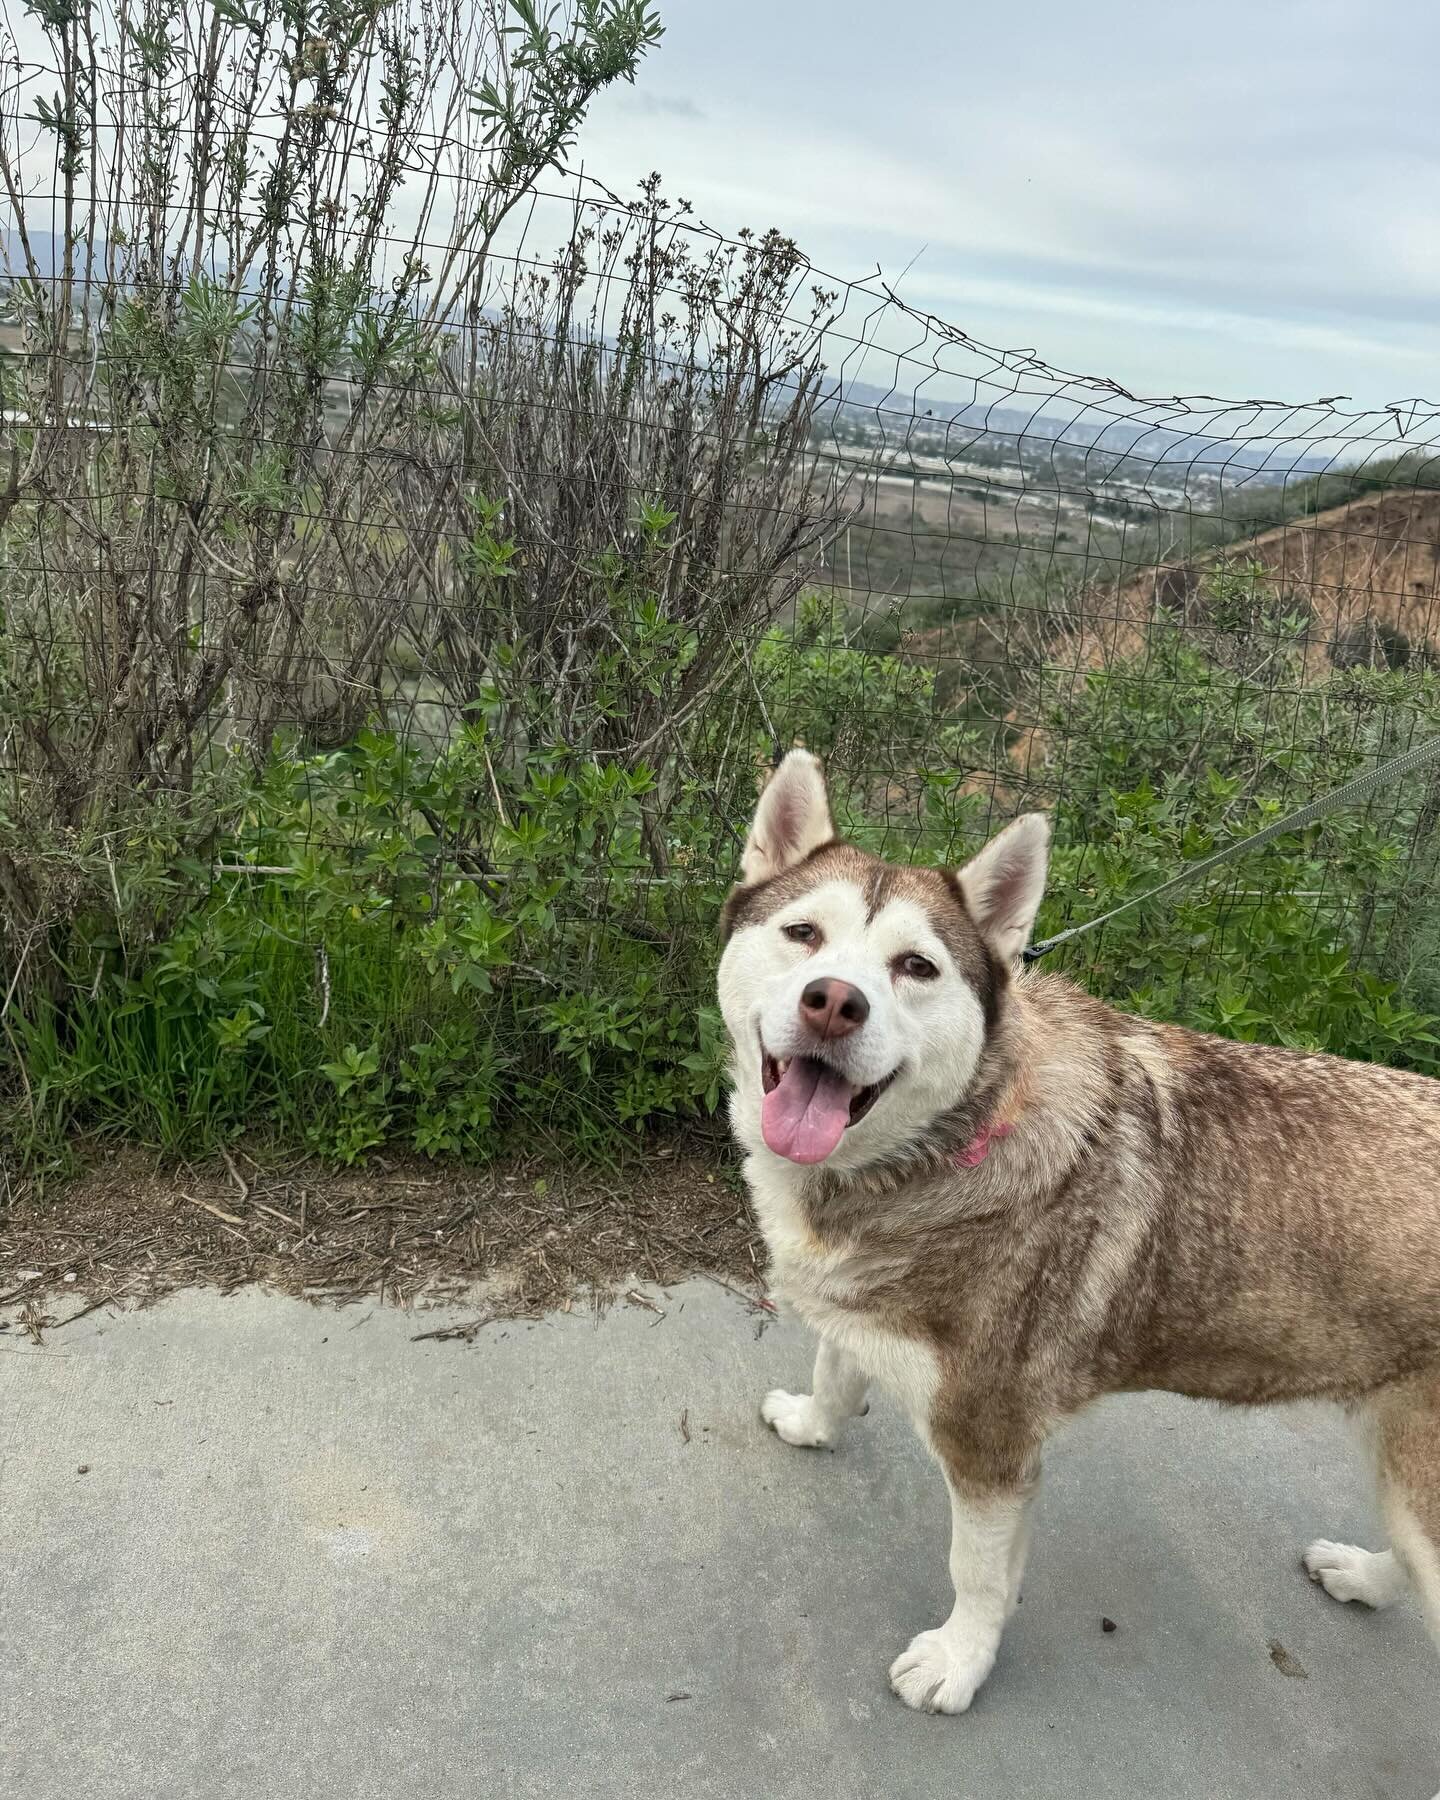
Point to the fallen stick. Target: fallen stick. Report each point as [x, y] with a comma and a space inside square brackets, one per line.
[236, 1177]
[218, 1211]
[284, 1218]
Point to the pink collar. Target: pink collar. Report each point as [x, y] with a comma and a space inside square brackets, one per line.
[978, 1148]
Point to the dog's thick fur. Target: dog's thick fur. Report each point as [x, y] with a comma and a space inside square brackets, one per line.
[1168, 1210]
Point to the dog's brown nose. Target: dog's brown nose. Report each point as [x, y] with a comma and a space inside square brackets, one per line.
[832, 1008]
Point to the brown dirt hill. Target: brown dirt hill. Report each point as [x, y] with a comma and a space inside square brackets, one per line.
[1367, 574]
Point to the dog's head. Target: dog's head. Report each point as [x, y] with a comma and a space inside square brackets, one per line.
[859, 996]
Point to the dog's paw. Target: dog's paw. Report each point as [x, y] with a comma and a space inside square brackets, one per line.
[1348, 1573]
[797, 1419]
[942, 1670]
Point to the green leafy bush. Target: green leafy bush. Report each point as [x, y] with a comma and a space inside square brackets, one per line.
[470, 947]
[1170, 756]
[368, 994]
[507, 941]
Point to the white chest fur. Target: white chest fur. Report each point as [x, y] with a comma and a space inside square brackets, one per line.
[819, 1285]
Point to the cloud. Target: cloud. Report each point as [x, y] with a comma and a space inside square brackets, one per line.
[1239, 187]
[1318, 268]
[938, 291]
[645, 105]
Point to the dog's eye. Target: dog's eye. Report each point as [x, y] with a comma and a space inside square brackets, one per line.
[920, 967]
[801, 933]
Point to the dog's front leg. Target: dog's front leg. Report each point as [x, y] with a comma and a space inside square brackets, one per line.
[942, 1670]
[817, 1419]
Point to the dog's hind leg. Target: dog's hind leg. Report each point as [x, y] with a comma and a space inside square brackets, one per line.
[1406, 1434]
[816, 1420]
[1408, 1417]
[1375, 1578]
[1408, 1420]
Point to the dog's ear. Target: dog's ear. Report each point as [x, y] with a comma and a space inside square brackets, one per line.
[792, 819]
[1004, 884]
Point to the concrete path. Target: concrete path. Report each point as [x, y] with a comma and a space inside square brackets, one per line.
[250, 1548]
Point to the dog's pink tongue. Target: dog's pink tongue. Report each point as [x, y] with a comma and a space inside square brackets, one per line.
[805, 1116]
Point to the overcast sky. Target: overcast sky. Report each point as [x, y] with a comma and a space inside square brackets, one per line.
[1240, 198]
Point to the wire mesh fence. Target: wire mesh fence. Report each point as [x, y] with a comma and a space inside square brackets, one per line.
[397, 624]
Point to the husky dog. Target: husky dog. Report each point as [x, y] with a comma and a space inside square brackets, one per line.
[1000, 1200]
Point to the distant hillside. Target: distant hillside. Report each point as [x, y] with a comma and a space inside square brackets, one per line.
[1087, 428]
[1366, 574]
[48, 250]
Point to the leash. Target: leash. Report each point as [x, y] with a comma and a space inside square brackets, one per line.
[1358, 789]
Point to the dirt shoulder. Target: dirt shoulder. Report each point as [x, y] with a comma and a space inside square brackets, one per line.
[402, 1233]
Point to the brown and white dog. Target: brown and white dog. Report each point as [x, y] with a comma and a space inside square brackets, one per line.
[1000, 1200]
